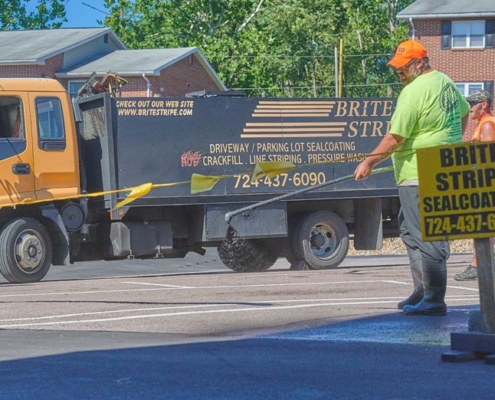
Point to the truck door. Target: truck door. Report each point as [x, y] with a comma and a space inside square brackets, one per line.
[16, 151]
[54, 143]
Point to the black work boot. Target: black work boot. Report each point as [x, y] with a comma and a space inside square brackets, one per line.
[417, 276]
[412, 300]
[435, 285]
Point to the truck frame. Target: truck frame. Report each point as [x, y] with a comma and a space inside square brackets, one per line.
[56, 153]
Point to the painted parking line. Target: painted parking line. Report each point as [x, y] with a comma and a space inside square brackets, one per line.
[161, 285]
[205, 312]
[89, 313]
[463, 288]
[448, 286]
[177, 314]
[170, 287]
[164, 286]
[360, 300]
[244, 285]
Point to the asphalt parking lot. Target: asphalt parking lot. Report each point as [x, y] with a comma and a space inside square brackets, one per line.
[201, 331]
[187, 301]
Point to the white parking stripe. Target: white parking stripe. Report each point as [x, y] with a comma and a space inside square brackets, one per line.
[261, 302]
[177, 287]
[463, 288]
[129, 310]
[160, 284]
[448, 286]
[237, 310]
[241, 285]
[187, 313]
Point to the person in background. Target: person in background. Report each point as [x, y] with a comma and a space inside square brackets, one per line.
[430, 111]
[480, 103]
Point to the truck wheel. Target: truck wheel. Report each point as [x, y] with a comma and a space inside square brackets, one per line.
[26, 253]
[246, 255]
[322, 239]
[297, 262]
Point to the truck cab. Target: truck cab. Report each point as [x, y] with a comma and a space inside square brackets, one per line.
[38, 146]
[38, 163]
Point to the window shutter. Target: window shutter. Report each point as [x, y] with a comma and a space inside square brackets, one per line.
[490, 33]
[488, 85]
[445, 31]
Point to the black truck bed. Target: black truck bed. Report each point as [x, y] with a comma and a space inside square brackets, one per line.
[130, 141]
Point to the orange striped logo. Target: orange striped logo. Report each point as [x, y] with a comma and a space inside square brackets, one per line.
[287, 119]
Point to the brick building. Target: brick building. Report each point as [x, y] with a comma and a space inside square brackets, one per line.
[72, 55]
[459, 36]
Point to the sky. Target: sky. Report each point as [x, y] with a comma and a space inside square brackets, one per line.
[80, 15]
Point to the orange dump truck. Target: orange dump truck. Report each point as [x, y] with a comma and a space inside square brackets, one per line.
[64, 164]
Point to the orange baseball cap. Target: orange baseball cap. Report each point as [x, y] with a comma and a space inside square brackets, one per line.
[407, 51]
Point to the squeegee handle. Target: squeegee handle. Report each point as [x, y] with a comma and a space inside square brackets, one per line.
[231, 214]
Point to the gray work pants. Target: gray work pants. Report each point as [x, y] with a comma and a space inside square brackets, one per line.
[410, 229]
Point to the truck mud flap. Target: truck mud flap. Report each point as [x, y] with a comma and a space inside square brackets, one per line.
[58, 234]
[368, 227]
[265, 222]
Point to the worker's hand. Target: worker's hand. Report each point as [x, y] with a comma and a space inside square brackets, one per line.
[363, 170]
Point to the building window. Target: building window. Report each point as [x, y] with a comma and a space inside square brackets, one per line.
[468, 34]
[468, 88]
[74, 86]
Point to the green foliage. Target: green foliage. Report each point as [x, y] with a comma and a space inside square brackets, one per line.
[370, 39]
[284, 48]
[302, 35]
[31, 14]
[227, 32]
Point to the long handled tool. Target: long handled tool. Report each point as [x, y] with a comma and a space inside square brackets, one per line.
[231, 214]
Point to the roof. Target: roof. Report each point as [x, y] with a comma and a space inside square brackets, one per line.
[26, 84]
[35, 46]
[424, 9]
[131, 62]
[30, 47]
[138, 62]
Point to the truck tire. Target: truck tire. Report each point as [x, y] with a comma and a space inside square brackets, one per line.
[321, 239]
[297, 262]
[27, 251]
[246, 255]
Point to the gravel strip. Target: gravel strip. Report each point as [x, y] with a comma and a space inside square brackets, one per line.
[395, 247]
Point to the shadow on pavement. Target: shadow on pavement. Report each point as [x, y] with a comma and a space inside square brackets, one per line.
[382, 357]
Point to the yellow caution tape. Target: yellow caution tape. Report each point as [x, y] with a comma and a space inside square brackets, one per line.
[199, 183]
[271, 169]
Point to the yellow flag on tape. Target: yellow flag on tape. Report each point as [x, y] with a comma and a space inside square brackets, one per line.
[202, 183]
[271, 169]
[136, 193]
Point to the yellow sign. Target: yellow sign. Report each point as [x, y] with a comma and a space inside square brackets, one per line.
[457, 191]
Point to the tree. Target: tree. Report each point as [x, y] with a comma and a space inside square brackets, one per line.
[284, 48]
[29, 14]
[369, 40]
[226, 31]
[301, 38]
[177, 21]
